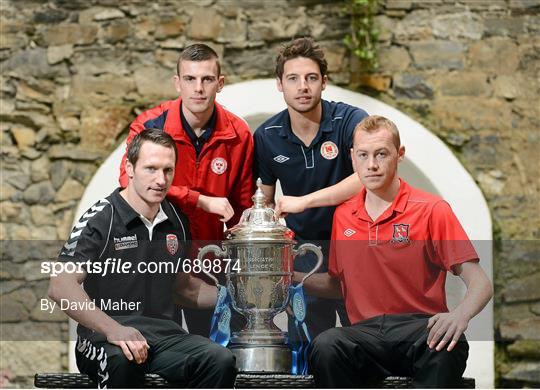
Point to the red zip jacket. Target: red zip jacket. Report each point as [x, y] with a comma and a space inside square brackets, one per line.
[223, 168]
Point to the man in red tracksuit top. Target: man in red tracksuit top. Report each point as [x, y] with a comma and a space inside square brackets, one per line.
[213, 182]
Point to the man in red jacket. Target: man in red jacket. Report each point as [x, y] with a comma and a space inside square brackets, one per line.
[213, 182]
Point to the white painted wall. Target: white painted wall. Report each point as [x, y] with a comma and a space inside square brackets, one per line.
[429, 164]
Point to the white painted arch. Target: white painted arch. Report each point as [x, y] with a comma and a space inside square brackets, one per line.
[429, 164]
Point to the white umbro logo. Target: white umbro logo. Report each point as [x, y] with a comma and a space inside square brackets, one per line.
[349, 232]
[281, 159]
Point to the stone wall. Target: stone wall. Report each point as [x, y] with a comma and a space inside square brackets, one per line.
[75, 73]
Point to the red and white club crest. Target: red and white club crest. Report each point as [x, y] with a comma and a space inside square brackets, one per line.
[219, 165]
[329, 150]
[401, 232]
[172, 243]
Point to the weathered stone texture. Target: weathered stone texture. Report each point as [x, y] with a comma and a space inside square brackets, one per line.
[525, 329]
[68, 33]
[71, 190]
[458, 25]
[171, 26]
[116, 31]
[205, 24]
[100, 87]
[525, 349]
[515, 86]
[56, 54]
[527, 289]
[30, 357]
[472, 114]
[33, 62]
[415, 26]
[109, 14]
[462, 83]
[524, 372]
[154, 81]
[394, 59]
[495, 55]
[41, 193]
[412, 86]
[101, 125]
[437, 54]
[70, 152]
[515, 311]
[505, 26]
[24, 137]
[96, 62]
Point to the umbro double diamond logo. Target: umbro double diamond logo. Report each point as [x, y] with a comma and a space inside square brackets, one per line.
[281, 159]
[349, 232]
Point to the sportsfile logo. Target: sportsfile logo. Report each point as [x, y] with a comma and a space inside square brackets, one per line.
[113, 265]
[125, 242]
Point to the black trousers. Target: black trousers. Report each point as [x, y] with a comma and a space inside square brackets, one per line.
[185, 360]
[320, 316]
[198, 321]
[363, 354]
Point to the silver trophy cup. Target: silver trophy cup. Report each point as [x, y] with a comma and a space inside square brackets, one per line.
[260, 290]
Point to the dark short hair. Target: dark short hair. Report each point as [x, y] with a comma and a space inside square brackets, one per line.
[301, 47]
[374, 123]
[198, 52]
[156, 136]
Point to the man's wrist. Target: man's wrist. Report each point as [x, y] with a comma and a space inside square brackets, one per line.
[202, 201]
[463, 313]
[110, 326]
[308, 200]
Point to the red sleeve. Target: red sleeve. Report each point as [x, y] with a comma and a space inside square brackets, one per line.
[135, 128]
[244, 186]
[450, 244]
[332, 258]
[181, 196]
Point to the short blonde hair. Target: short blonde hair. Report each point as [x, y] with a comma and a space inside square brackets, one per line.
[375, 123]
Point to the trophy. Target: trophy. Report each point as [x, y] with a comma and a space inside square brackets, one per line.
[260, 290]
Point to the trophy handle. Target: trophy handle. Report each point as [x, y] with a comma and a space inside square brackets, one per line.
[218, 251]
[302, 249]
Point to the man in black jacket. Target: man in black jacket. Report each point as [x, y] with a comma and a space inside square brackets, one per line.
[127, 249]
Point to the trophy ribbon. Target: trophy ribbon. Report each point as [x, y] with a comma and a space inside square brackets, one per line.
[220, 328]
[301, 346]
[300, 349]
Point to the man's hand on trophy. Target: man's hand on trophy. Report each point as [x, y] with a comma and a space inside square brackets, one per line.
[131, 341]
[216, 205]
[290, 204]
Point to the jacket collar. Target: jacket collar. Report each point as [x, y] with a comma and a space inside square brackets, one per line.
[222, 130]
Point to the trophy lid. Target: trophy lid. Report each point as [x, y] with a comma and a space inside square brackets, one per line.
[259, 223]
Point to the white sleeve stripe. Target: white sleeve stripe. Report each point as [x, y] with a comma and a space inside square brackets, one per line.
[80, 225]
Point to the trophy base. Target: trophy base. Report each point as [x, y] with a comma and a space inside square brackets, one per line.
[262, 358]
